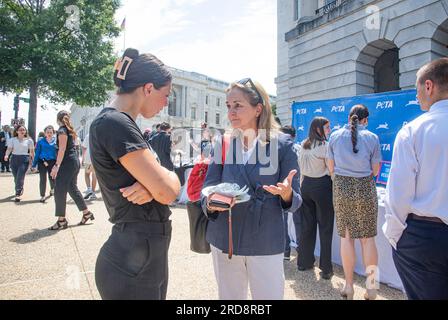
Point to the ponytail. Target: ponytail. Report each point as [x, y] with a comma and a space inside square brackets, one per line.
[354, 130]
[64, 118]
[357, 113]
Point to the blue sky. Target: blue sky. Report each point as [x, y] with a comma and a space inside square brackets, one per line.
[227, 40]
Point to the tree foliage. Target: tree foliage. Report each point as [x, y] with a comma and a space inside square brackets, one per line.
[62, 49]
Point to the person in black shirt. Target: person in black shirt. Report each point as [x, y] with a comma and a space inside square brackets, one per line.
[5, 135]
[133, 262]
[65, 173]
[161, 143]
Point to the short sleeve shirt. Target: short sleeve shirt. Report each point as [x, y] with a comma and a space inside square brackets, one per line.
[20, 147]
[70, 149]
[312, 161]
[350, 164]
[113, 134]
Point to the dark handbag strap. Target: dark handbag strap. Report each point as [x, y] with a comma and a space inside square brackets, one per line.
[230, 235]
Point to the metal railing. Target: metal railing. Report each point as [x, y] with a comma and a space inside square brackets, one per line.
[329, 7]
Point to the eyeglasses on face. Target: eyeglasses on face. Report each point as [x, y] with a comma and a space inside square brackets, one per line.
[247, 82]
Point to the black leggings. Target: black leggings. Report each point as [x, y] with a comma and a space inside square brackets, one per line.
[66, 181]
[45, 171]
[317, 210]
[133, 262]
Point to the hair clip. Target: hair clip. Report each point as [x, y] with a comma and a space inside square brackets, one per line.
[119, 67]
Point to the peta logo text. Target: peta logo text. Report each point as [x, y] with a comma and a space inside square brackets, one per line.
[301, 111]
[338, 109]
[385, 104]
[385, 147]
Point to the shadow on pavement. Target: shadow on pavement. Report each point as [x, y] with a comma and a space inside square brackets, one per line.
[7, 199]
[33, 236]
[23, 202]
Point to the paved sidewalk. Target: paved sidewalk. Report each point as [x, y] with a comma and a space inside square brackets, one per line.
[39, 264]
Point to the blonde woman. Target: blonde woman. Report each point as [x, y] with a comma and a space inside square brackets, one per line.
[264, 160]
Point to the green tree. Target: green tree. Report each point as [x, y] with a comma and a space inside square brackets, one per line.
[274, 109]
[59, 49]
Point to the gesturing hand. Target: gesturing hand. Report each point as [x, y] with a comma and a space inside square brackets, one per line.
[137, 194]
[283, 189]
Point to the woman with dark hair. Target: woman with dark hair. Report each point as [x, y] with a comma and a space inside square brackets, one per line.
[65, 173]
[133, 262]
[22, 149]
[44, 160]
[354, 157]
[317, 208]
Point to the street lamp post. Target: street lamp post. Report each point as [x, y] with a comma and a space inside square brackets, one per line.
[16, 107]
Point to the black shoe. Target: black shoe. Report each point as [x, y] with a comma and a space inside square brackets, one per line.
[326, 275]
[8, 170]
[86, 217]
[59, 225]
[2, 171]
[300, 268]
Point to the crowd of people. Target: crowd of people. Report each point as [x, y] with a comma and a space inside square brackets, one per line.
[55, 157]
[327, 178]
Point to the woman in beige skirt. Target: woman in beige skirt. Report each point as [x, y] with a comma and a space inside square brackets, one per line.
[353, 159]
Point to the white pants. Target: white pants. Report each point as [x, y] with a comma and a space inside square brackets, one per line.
[264, 274]
[292, 232]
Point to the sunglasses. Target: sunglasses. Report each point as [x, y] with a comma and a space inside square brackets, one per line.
[248, 83]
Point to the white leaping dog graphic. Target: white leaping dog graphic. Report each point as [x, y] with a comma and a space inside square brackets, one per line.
[413, 103]
[301, 128]
[337, 127]
[318, 110]
[385, 125]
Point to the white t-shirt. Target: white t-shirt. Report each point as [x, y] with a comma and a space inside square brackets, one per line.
[85, 144]
[20, 148]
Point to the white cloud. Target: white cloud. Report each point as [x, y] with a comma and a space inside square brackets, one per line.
[227, 41]
[224, 40]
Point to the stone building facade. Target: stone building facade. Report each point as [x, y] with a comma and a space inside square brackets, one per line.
[331, 49]
[195, 98]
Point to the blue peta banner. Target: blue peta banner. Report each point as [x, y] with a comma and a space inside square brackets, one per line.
[383, 174]
[389, 112]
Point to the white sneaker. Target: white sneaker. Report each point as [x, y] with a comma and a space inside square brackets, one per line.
[93, 197]
[88, 191]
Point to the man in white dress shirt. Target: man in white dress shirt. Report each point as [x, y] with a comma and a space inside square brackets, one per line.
[417, 191]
